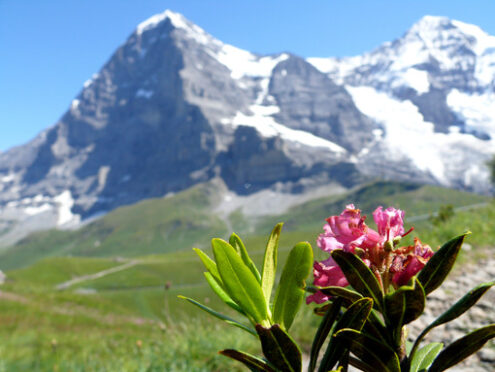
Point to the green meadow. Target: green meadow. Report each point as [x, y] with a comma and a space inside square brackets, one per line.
[104, 297]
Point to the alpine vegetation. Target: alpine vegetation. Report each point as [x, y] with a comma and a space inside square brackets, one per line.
[368, 290]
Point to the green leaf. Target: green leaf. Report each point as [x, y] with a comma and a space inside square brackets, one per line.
[279, 348]
[354, 318]
[323, 330]
[374, 327]
[252, 362]
[425, 356]
[210, 265]
[462, 348]
[403, 306]
[343, 362]
[322, 310]
[270, 262]
[359, 276]
[370, 350]
[240, 283]
[236, 242]
[456, 310]
[438, 267]
[218, 315]
[221, 293]
[361, 365]
[290, 291]
[348, 294]
[464, 304]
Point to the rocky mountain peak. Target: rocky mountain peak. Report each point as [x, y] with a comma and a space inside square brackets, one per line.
[177, 20]
[437, 31]
[174, 106]
[430, 23]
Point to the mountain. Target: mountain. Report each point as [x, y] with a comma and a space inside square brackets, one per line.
[174, 107]
[432, 91]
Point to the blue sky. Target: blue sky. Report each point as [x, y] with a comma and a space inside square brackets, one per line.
[49, 48]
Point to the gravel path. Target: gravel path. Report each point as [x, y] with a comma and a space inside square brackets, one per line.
[482, 314]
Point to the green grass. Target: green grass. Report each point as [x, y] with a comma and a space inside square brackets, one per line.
[97, 323]
[184, 220]
[99, 331]
[412, 198]
[36, 339]
[54, 270]
[481, 223]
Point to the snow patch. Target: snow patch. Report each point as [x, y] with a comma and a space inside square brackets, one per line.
[482, 40]
[7, 178]
[407, 133]
[176, 19]
[485, 67]
[243, 63]
[476, 110]
[74, 104]
[268, 127]
[39, 198]
[37, 210]
[88, 82]
[414, 78]
[65, 203]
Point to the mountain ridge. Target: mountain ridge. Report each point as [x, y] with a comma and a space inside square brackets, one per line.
[175, 106]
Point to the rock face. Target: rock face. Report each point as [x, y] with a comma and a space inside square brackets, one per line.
[174, 106]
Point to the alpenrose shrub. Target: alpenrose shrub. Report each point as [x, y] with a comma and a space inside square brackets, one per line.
[369, 288]
[390, 264]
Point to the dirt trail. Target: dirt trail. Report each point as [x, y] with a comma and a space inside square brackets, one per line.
[8, 296]
[97, 275]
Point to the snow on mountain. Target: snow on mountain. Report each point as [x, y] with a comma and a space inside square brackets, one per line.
[175, 106]
[433, 44]
[406, 132]
[432, 90]
[240, 62]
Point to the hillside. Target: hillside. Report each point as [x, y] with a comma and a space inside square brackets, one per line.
[184, 220]
[99, 322]
[151, 226]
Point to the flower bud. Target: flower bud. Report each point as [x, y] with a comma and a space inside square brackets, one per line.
[359, 252]
[388, 246]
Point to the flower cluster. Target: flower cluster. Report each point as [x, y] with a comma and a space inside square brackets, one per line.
[392, 265]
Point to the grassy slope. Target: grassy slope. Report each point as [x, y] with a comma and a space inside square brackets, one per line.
[151, 226]
[414, 199]
[99, 331]
[184, 220]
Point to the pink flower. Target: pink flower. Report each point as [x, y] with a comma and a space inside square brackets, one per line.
[326, 274]
[405, 266]
[378, 250]
[390, 222]
[346, 232]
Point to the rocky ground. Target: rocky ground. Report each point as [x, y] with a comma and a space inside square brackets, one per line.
[483, 313]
